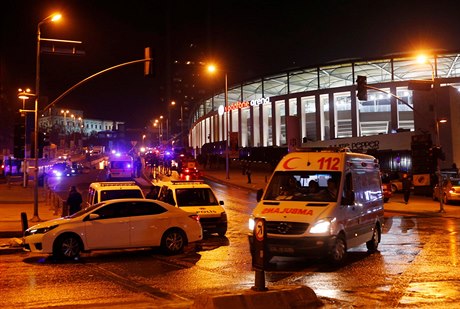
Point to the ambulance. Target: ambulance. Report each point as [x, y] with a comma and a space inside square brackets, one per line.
[320, 202]
[120, 167]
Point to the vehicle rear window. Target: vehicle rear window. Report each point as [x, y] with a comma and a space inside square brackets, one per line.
[116, 194]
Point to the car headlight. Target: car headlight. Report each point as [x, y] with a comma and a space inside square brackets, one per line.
[42, 230]
[251, 224]
[323, 226]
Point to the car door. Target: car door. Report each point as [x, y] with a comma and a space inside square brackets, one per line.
[148, 222]
[111, 229]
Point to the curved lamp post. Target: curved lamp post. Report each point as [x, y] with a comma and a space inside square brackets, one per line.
[212, 69]
[423, 59]
[51, 18]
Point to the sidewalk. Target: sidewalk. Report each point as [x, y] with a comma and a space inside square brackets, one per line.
[14, 200]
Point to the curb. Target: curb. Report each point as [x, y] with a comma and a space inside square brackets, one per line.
[274, 298]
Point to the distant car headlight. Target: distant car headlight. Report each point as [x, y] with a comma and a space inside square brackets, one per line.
[323, 226]
[42, 230]
[57, 173]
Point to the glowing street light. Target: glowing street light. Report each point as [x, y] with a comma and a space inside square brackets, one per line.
[24, 95]
[51, 18]
[212, 69]
[173, 103]
[65, 112]
[423, 59]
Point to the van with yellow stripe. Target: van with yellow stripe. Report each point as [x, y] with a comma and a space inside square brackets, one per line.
[321, 202]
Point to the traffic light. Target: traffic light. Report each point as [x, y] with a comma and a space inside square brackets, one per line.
[421, 85]
[362, 87]
[437, 153]
[148, 64]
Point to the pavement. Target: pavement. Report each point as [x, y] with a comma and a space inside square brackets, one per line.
[17, 202]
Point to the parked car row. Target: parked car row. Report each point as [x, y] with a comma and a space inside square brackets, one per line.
[118, 216]
[65, 169]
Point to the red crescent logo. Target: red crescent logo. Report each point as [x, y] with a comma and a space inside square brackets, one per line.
[285, 165]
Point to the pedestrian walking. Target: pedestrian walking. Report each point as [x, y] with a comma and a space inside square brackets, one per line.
[248, 172]
[406, 185]
[74, 200]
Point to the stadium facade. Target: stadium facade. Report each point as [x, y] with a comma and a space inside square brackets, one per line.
[317, 106]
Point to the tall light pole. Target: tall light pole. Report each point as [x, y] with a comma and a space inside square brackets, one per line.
[424, 59]
[65, 112]
[51, 18]
[212, 69]
[24, 95]
[173, 103]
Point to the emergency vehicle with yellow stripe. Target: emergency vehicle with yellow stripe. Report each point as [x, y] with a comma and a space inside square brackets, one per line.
[321, 202]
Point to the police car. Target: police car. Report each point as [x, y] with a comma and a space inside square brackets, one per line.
[196, 197]
[103, 191]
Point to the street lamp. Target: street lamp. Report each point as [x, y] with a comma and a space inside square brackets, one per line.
[81, 127]
[24, 95]
[51, 18]
[173, 103]
[65, 112]
[423, 59]
[212, 69]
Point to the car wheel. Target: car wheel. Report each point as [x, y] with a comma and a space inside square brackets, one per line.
[173, 242]
[394, 188]
[221, 231]
[338, 250]
[386, 199]
[374, 242]
[67, 246]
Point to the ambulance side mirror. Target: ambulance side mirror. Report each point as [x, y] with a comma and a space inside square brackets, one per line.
[259, 194]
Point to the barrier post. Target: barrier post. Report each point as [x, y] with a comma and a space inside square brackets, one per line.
[24, 222]
[65, 209]
[259, 259]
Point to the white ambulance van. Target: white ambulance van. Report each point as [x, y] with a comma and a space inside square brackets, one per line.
[120, 167]
[321, 202]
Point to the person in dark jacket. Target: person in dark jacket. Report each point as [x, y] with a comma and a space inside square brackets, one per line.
[406, 185]
[74, 200]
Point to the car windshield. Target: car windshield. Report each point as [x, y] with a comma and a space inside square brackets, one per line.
[195, 197]
[455, 182]
[304, 186]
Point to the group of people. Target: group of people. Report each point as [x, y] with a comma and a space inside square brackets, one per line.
[292, 188]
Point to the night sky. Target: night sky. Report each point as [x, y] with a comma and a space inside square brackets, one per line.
[248, 38]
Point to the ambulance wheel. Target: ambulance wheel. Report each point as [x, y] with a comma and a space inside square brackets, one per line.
[374, 242]
[338, 250]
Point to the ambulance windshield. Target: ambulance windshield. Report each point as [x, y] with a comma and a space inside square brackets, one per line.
[304, 186]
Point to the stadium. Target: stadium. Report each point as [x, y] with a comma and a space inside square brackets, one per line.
[411, 102]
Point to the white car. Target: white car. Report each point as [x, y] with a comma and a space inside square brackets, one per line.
[115, 224]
